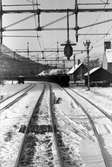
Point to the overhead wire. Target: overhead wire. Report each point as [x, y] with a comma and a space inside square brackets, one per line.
[20, 36]
[36, 24]
[98, 40]
[107, 31]
[59, 19]
[17, 5]
[44, 25]
[97, 23]
[19, 21]
[98, 17]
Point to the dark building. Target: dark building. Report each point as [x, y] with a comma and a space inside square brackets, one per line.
[98, 77]
[107, 45]
[77, 73]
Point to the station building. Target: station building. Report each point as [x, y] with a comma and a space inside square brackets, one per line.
[98, 77]
[77, 72]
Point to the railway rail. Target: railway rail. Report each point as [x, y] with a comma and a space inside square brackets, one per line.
[97, 107]
[1, 101]
[14, 98]
[41, 143]
[76, 98]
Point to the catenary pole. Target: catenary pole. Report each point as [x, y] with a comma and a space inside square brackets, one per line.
[1, 22]
[87, 45]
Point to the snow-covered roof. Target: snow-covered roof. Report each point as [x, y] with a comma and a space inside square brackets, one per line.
[109, 55]
[55, 71]
[42, 73]
[73, 69]
[51, 72]
[92, 71]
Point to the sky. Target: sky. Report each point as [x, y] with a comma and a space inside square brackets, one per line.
[49, 39]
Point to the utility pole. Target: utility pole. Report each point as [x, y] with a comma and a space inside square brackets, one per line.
[87, 45]
[28, 49]
[64, 65]
[76, 20]
[1, 12]
[74, 60]
[57, 58]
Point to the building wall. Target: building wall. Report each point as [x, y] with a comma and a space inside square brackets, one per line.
[79, 73]
[110, 67]
[104, 62]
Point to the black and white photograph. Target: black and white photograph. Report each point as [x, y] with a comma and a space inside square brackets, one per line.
[55, 83]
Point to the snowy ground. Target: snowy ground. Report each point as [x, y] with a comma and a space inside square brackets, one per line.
[101, 97]
[10, 123]
[76, 131]
[9, 89]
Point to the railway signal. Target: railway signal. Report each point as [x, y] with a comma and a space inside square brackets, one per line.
[68, 50]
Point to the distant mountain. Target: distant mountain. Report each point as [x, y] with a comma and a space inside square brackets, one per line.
[13, 65]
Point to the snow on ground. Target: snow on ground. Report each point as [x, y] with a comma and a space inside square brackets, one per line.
[76, 130]
[101, 97]
[72, 120]
[9, 89]
[73, 124]
[10, 124]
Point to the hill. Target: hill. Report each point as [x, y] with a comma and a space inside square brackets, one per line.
[13, 65]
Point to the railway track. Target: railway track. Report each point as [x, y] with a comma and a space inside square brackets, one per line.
[14, 98]
[14, 94]
[97, 107]
[76, 97]
[41, 144]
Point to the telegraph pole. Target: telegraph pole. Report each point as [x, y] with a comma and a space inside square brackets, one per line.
[87, 45]
[28, 49]
[1, 12]
[74, 60]
[57, 58]
[0, 26]
[76, 20]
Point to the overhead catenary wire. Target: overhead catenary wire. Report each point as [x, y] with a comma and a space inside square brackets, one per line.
[36, 24]
[20, 36]
[94, 24]
[105, 3]
[52, 23]
[61, 29]
[17, 5]
[19, 21]
[86, 4]
[109, 30]
[57, 20]
[107, 33]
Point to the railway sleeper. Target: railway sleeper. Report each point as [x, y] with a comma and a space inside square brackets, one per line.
[28, 150]
[39, 129]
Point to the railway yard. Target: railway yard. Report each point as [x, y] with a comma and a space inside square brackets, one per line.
[43, 124]
[55, 83]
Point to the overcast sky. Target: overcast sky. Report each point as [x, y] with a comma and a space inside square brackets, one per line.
[49, 39]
